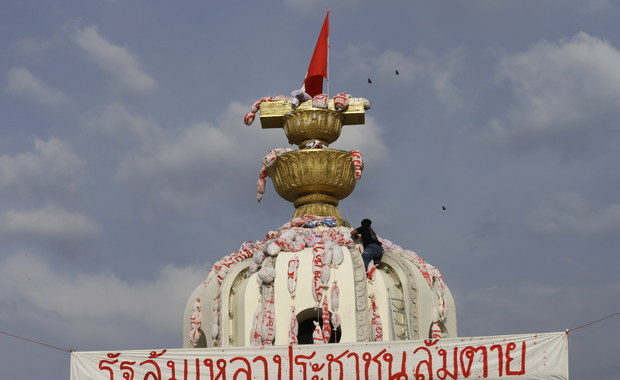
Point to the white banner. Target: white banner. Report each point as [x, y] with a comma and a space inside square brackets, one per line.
[528, 356]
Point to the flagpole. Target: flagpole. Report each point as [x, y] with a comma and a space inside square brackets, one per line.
[328, 61]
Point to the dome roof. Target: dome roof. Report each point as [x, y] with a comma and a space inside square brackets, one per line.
[307, 271]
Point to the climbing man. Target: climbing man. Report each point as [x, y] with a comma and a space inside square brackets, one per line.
[373, 249]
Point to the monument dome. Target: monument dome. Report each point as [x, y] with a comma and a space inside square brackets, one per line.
[305, 283]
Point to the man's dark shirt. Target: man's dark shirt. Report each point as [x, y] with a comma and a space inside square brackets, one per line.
[368, 236]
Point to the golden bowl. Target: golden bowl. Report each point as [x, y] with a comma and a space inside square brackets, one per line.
[302, 173]
[302, 126]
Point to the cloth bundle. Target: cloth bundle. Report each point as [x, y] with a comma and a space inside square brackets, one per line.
[320, 101]
[358, 164]
[249, 117]
[268, 328]
[341, 101]
[293, 328]
[317, 270]
[273, 155]
[267, 161]
[315, 144]
[328, 221]
[327, 327]
[293, 264]
[196, 322]
[299, 97]
[317, 335]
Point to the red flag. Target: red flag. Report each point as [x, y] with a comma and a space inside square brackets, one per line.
[317, 70]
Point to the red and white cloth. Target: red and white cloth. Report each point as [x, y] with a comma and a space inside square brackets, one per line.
[335, 319]
[269, 321]
[251, 114]
[372, 271]
[376, 328]
[320, 101]
[196, 322]
[358, 164]
[327, 327]
[294, 327]
[317, 335]
[293, 264]
[257, 323]
[335, 296]
[341, 101]
[317, 271]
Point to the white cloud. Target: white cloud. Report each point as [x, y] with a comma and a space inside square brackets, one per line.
[23, 83]
[116, 61]
[118, 122]
[48, 224]
[95, 300]
[365, 138]
[52, 170]
[565, 93]
[184, 166]
[569, 214]
[200, 144]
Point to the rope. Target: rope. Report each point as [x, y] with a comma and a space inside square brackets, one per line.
[318, 317]
[37, 342]
[593, 322]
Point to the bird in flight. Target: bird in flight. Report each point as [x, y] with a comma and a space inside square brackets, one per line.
[397, 72]
[369, 81]
[443, 208]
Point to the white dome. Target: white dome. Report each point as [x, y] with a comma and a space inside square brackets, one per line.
[244, 303]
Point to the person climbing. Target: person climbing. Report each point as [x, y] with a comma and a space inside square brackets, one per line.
[373, 250]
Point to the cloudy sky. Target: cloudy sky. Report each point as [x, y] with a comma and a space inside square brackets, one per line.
[126, 170]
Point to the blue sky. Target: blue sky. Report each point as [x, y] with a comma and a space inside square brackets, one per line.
[126, 169]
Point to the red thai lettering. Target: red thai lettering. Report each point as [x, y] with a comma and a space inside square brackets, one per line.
[357, 364]
[511, 347]
[221, 367]
[154, 374]
[197, 370]
[298, 361]
[331, 359]
[443, 373]
[278, 360]
[247, 370]
[102, 367]
[402, 374]
[500, 358]
[428, 362]
[154, 354]
[265, 365]
[126, 366]
[430, 342]
[368, 358]
[469, 353]
[172, 365]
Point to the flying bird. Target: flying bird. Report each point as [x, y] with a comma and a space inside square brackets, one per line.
[443, 208]
[397, 72]
[369, 81]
